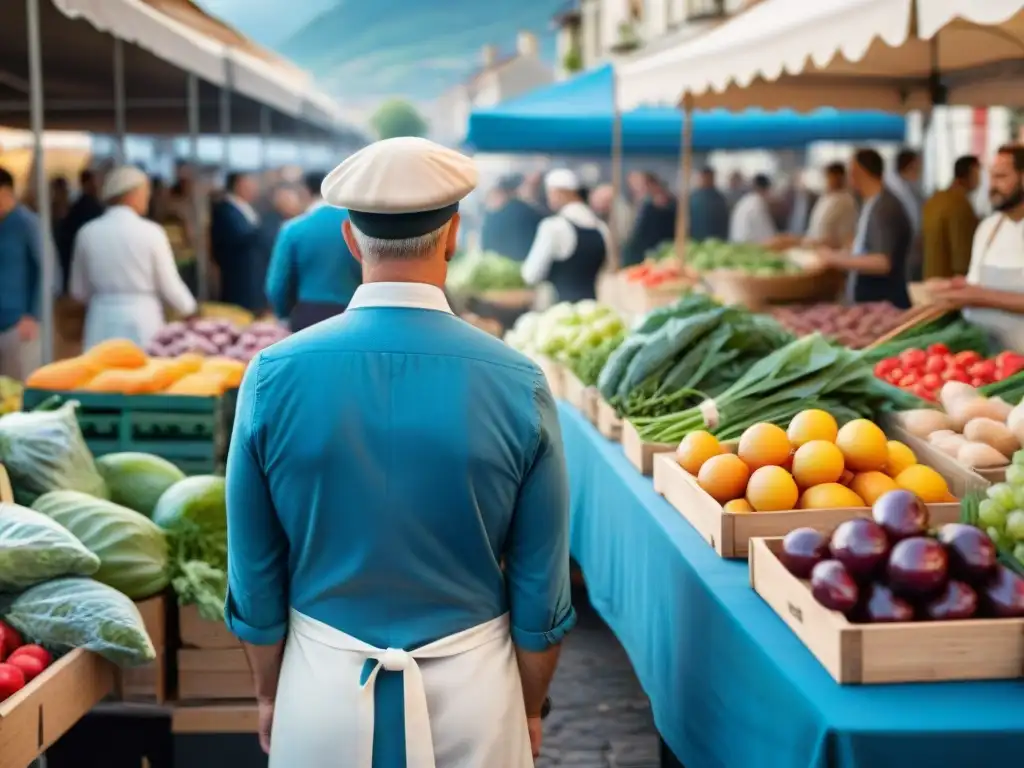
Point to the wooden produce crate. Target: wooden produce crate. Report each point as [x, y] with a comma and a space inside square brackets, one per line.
[45, 709]
[905, 652]
[553, 373]
[640, 454]
[608, 423]
[211, 662]
[215, 717]
[634, 299]
[729, 533]
[580, 396]
[191, 432]
[962, 480]
[149, 683]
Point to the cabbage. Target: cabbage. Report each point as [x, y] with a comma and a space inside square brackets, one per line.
[131, 548]
[33, 548]
[81, 613]
[45, 451]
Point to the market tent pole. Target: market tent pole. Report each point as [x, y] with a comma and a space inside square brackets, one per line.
[615, 257]
[264, 137]
[46, 279]
[685, 180]
[198, 232]
[225, 120]
[120, 114]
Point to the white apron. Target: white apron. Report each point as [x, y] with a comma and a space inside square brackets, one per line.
[1005, 328]
[135, 317]
[463, 700]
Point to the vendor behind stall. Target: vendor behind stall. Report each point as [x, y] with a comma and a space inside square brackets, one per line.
[877, 263]
[993, 292]
[123, 266]
[312, 273]
[510, 223]
[571, 246]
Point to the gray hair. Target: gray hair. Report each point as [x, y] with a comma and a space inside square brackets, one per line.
[378, 249]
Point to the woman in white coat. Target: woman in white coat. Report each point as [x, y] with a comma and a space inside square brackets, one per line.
[122, 266]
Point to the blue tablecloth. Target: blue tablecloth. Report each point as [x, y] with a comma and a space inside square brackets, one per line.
[730, 685]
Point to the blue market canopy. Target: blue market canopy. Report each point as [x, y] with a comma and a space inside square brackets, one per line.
[576, 117]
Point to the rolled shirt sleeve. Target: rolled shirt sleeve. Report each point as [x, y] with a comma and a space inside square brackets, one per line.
[537, 560]
[282, 280]
[555, 241]
[257, 601]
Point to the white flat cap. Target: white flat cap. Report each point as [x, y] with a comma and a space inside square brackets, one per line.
[562, 178]
[122, 180]
[401, 188]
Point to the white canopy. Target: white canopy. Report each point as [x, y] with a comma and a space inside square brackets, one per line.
[263, 82]
[805, 54]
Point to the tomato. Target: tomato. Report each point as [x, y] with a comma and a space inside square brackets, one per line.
[935, 364]
[1007, 357]
[30, 666]
[12, 680]
[977, 382]
[938, 349]
[884, 367]
[36, 651]
[956, 374]
[967, 358]
[909, 380]
[984, 369]
[10, 640]
[913, 358]
[895, 375]
[923, 392]
[932, 380]
[1009, 367]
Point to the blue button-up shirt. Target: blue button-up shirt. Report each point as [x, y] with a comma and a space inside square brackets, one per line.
[20, 267]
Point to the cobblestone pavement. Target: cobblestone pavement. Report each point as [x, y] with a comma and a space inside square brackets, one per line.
[600, 717]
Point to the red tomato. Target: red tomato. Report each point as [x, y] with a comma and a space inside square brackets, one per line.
[35, 651]
[956, 374]
[883, 368]
[895, 375]
[977, 382]
[923, 392]
[10, 640]
[967, 358]
[1006, 357]
[986, 369]
[932, 380]
[935, 364]
[938, 349]
[1009, 367]
[12, 680]
[29, 665]
[909, 380]
[913, 358]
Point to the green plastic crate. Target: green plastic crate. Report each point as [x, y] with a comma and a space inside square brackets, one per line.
[192, 432]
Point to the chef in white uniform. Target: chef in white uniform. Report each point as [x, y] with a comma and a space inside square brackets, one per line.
[397, 504]
[992, 294]
[123, 266]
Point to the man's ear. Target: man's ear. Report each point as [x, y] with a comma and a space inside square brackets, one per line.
[350, 240]
[452, 238]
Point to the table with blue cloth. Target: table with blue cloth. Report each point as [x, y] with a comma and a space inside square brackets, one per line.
[730, 685]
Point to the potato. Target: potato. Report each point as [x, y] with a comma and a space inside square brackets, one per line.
[993, 433]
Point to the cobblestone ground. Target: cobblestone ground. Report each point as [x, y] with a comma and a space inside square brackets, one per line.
[600, 717]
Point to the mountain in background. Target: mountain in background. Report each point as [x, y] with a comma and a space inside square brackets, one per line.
[365, 51]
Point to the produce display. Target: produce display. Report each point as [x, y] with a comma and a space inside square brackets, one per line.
[711, 254]
[20, 662]
[581, 336]
[949, 330]
[651, 274]
[212, 337]
[813, 464]
[854, 326]
[120, 367]
[978, 431]
[1001, 513]
[892, 568]
[924, 371]
[484, 271]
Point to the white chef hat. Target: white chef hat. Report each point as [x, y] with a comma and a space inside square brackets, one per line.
[401, 188]
[121, 181]
[562, 178]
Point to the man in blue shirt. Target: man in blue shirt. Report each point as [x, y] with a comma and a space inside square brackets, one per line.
[20, 278]
[312, 274]
[709, 210]
[398, 506]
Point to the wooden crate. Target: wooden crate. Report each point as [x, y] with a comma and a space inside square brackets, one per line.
[962, 480]
[36, 716]
[729, 533]
[553, 373]
[640, 454]
[216, 717]
[906, 652]
[206, 674]
[149, 683]
[580, 396]
[196, 632]
[608, 423]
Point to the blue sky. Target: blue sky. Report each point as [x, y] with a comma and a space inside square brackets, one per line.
[366, 50]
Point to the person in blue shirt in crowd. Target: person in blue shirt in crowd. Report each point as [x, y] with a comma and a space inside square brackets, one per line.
[398, 506]
[510, 223]
[20, 280]
[709, 210]
[312, 274]
[239, 245]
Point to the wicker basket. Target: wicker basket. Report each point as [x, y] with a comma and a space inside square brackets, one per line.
[757, 292]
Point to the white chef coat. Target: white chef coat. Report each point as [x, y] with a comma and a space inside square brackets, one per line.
[751, 220]
[123, 268]
[996, 245]
[834, 219]
[556, 240]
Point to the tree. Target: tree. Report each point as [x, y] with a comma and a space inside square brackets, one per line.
[397, 117]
